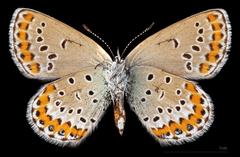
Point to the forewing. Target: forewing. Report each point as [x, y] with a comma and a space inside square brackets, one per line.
[45, 48]
[194, 48]
[173, 110]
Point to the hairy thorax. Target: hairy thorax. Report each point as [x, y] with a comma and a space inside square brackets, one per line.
[116, 79]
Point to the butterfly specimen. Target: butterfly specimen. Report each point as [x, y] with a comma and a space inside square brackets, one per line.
[156, 77]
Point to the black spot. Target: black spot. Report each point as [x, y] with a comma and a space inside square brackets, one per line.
[39, 39]
[39, 30]
[200, 31]
[146, 119]
[52, 56]
[162, 94]
[189, 66]
[51, 128]
[50, 66]
[187, 56]
[43, 48]
[62, 109]
[71, 80]
[63, 44]
[90, 92]
[77, 96]
[95, 100]
[178, 108]
[206, 120]
[178, 131]
[83, 120]
[150, 77]
[38, 102]
[196, 48]
[189, 127]
[57, 103]
[61, 132]
[199, 121]
[175, 43]
[203, 112]
[178, 91]
[59, 121]
[160, 110]
[200, 39]
[194, 108]
[188, 135]
[167, 79]
[61, 93]
[79, 111]
[156, 118]
[88, 77]
[37, 113]
[143, 99]
[168, 133]
[41, 122]
[201, 100]
[197, 24]
[70, 111]
[43, 24]
[148, 92]
[182, 102]
[169, 110]
[92, 120]
[200, 128]
[69, 123]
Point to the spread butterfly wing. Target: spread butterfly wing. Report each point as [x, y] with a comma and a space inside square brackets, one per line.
[173, 110]
[194, 48]
[67, 110]
[45, 48]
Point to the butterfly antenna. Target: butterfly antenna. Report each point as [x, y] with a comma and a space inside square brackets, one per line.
[140, 34]
[87, 29]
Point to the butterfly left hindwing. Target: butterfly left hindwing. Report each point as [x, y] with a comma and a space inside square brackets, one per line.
[65, 111]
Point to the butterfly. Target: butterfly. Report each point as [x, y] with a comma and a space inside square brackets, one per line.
[157, 77]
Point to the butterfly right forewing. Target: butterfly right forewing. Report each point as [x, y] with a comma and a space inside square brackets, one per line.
[193, 48]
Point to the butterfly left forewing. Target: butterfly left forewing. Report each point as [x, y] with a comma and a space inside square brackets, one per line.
[173, 110]
[45, 48]
[67, 110]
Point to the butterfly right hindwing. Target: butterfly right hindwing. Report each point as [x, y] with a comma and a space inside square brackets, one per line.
[173, 110]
